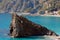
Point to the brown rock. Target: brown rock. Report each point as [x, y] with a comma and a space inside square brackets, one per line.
[22, 27]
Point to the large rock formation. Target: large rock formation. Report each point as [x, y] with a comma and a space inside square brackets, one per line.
[29, 6]
[22, 27]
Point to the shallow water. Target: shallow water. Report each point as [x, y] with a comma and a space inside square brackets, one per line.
[52, 23]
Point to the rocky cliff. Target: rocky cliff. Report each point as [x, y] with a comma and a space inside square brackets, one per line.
[22, 27]
[31, 6]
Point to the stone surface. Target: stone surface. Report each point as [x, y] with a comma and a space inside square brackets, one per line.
[28, 6]
[22, 27]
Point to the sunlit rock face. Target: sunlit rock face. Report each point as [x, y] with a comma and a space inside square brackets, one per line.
[20, 5]
[30, 6]
[22, 27]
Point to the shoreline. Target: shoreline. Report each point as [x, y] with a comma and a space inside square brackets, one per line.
[51, 15]
[45, 15]
[37, 15]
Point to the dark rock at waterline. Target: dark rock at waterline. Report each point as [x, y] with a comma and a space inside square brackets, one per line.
[22, 27]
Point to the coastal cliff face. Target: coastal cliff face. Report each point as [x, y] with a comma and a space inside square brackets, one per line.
[22, 27]
[30, 6]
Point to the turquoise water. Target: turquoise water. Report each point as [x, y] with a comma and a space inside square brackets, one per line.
[52, 23]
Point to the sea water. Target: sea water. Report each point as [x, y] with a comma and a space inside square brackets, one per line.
[52, 23]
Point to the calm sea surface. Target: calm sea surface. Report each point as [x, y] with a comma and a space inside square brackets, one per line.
[52, 23]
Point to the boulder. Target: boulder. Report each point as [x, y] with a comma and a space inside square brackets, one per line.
[22, 27]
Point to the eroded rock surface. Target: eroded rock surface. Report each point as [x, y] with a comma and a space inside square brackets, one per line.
[22, 27]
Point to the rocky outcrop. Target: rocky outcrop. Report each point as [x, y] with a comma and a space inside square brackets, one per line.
[22, 27]
[28, 6]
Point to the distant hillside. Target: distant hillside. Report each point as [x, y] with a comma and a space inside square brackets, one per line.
[31, 6]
